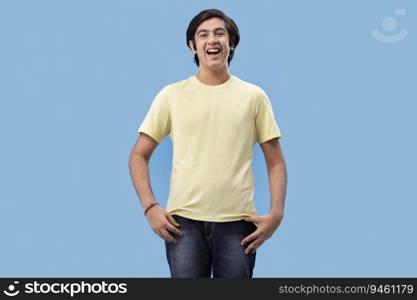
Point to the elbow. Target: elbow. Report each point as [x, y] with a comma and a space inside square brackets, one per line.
[278, 163]
[134, 156]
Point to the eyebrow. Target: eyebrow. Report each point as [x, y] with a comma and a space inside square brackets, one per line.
[205, 30]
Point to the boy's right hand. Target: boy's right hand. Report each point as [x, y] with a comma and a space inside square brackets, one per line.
[162, 223]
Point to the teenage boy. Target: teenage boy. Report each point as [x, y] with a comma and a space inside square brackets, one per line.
[210, 224]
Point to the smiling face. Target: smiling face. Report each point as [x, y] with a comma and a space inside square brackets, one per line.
[212, 34]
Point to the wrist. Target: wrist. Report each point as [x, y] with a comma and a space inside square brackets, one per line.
[149, 207]
[277, 214]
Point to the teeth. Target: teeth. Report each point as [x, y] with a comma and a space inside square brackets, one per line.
[213, 50]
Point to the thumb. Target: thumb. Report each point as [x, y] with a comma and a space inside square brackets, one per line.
[172, 220]
[249, 219]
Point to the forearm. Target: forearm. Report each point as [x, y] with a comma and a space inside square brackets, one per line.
[139, 172]
[277, 175]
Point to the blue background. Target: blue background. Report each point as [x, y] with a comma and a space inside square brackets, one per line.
[77, 78]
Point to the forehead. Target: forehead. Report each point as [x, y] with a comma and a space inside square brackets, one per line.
[211, 24]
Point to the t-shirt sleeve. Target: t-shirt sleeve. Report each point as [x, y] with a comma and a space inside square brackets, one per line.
[157, 122]
[266, 126]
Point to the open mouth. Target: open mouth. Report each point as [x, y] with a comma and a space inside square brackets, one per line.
[213, 52]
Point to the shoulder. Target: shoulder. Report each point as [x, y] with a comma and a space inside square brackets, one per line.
[249, 87]
[170, 89]
[177, 85]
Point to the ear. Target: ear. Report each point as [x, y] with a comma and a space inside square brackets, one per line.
[190, 43]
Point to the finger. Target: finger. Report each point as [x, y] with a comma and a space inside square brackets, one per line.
[164, 235]
[173, 229]
[167, 236]
[253, 219]
[251, 248]
[172, 220]
[254, 246]
[248, 219]
[249, 238]
[159, 232]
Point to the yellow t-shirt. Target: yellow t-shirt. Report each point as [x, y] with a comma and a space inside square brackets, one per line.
[213, 129]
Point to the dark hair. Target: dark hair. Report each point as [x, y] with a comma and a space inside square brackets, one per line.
[204, 15]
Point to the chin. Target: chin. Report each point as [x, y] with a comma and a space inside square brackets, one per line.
[217, 63]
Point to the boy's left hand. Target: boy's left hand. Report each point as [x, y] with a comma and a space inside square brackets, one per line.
[267, 224]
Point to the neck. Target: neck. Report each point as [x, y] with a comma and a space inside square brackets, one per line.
[213, 77]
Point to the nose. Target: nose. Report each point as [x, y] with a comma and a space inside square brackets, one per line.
[212, 38]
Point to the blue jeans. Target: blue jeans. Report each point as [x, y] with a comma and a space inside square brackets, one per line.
[210, 246]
